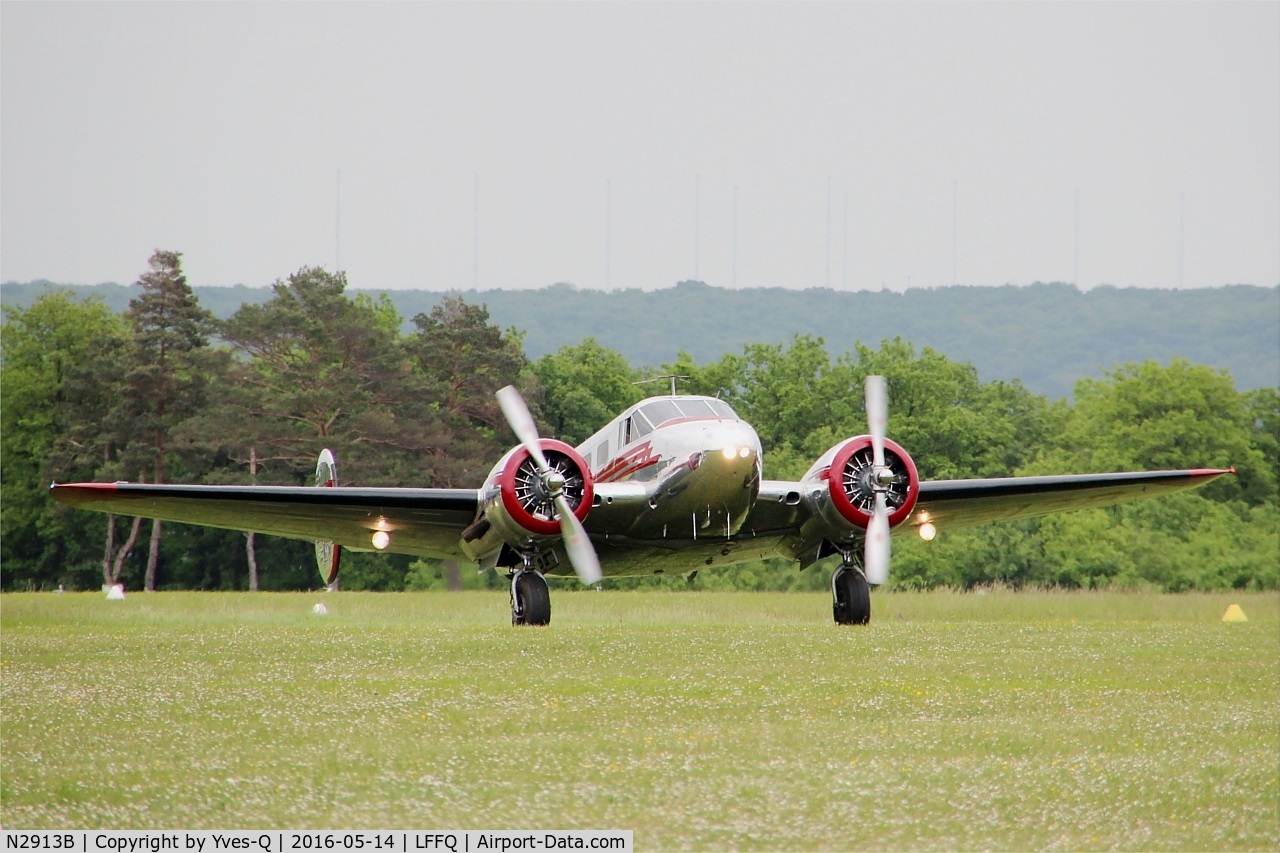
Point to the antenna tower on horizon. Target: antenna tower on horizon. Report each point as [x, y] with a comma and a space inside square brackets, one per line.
[475, 237]
[733, 274]
[844, 246]
[608, 228]
[955, 229]
[697, 224]
[1182, 221]
[828, 247]
[1075, 261]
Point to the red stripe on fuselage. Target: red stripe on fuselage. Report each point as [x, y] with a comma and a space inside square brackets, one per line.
[628, 463]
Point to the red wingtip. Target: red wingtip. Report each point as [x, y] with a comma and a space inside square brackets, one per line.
[1210, 472]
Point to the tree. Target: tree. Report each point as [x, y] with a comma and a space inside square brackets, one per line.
[583, 388]
[167, 369]
[802, 403]
[952, 424]
[783, 391]
[1262, 415]
[318, 369]
[1152, 416]
[460, 360]
[59, 373]
[323, 369]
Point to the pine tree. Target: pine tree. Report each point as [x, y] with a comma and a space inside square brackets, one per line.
[167, 374]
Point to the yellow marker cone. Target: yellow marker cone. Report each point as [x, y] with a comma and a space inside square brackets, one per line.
[1234, 614]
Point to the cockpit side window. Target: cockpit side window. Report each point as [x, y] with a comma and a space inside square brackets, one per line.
[722, 409]
[639, 425]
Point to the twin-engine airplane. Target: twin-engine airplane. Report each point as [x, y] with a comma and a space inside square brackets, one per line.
[673, 484]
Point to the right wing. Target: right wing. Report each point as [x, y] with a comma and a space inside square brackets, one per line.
[423, 522]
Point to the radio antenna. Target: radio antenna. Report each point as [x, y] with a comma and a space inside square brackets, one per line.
[673, 377]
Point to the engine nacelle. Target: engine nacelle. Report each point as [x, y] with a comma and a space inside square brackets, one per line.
[840, 486]
[517, 505]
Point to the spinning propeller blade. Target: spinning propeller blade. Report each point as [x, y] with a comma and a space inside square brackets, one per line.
[876, 554]
[877, 416]
[521, 421]
[876, 558]
[576, 544]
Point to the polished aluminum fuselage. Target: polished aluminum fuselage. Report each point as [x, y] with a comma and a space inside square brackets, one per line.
[674, 497]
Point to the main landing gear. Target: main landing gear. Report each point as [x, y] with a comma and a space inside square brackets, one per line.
[530, 600]
[850, 595]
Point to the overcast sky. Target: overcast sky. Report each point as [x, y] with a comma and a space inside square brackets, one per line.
[867, 145]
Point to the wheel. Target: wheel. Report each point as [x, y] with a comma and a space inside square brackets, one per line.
[530, 600]
[851, 597]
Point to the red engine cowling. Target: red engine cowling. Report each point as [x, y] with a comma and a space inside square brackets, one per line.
[520, 507]
[847, 470]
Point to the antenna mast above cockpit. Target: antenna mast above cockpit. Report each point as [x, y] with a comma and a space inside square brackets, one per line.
[674, 377]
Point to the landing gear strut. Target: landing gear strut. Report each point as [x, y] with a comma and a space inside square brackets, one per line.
[850, 595]
[530, 600]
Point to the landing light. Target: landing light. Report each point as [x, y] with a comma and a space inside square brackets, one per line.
[928, 531]
[744, 452]
[381, 539]
[730, 452]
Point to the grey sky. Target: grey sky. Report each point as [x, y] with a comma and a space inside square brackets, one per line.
[218, 130]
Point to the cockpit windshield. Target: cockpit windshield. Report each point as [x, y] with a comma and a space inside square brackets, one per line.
[659, 412]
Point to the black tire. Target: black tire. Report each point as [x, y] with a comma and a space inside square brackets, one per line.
[851, 597]
[532, 604]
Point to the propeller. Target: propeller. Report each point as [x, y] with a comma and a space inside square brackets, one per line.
[581, 555]
[876, 554]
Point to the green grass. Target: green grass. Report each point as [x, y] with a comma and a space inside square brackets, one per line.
[699, 720]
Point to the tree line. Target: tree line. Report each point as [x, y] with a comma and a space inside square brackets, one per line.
[166, 392]
[1046, 335]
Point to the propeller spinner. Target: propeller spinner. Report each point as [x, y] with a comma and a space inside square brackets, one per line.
[581, 555]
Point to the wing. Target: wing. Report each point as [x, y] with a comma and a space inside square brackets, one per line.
[424, 522]
[948, 504]
[961, 503]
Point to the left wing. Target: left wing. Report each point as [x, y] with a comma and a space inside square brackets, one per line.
[961, 503]
[948, 504]
[423, 522]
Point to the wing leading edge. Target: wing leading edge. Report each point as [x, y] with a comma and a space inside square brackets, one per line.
[424, 522]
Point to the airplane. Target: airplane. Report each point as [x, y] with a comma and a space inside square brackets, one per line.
[672, 485]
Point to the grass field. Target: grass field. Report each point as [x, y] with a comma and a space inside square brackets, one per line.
[698, 720]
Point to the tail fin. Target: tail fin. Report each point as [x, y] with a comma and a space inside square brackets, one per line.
[328, 554]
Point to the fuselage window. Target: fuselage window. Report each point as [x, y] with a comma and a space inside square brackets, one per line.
[602, 455]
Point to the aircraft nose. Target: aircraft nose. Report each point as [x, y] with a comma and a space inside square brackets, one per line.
[734, 441]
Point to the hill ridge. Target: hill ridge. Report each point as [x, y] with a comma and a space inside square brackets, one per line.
[1047, 335]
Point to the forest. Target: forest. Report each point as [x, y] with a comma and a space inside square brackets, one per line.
[165, 391]
[1048, 336]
